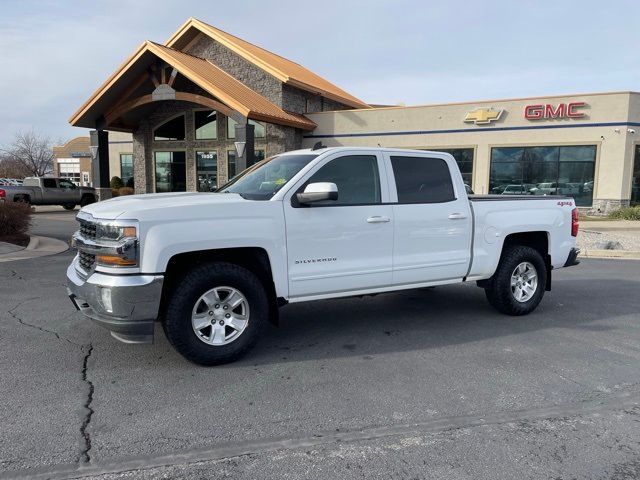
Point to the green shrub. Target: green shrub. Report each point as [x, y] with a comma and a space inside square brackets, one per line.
[116, 183]
[125, 191]
[627, 213]
[15, 218]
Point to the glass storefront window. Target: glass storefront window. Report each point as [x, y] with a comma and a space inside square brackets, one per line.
[207, 171]
[553, 170]
[231, 164]
[171, 172]
[206, 124]
[635, 180]
[464, 159]
[126, 169]
[170, 130]
[259, 130]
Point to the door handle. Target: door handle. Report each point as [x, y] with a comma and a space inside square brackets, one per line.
[378, 219]
[457, 216]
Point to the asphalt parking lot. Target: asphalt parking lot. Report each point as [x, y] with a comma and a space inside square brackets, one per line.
[418, 384]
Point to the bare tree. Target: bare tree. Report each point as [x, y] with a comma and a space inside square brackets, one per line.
[12, 168]
[32, 151]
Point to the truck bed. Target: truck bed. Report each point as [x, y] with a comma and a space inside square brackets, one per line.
[504, 198]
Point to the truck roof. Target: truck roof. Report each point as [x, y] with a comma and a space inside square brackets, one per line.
[376, 148]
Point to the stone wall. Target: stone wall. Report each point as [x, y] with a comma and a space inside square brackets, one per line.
[606, 206]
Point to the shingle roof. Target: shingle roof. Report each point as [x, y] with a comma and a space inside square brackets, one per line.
[285, 70]
[212, 79]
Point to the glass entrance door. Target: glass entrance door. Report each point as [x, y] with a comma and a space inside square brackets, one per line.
[207, 168]
[635, 179]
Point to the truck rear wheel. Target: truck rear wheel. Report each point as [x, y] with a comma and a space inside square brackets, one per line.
[87, 200]
[69, 206]
[216, 313]
[519, 282]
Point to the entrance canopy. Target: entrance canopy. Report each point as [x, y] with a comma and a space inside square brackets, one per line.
[159, 73]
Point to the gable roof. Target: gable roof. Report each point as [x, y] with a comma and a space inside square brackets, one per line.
[283, 69]
[207, 76]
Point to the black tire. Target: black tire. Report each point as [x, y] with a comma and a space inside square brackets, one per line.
[69, 206]
[499, 290]
[23, 199]
[87, 200]
[177, 315]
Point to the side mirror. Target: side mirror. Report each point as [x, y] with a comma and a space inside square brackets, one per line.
[317, 192]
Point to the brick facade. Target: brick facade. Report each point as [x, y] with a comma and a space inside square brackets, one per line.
[278, 138]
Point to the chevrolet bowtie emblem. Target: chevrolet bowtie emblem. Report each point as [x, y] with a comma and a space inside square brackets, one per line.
[482, 116]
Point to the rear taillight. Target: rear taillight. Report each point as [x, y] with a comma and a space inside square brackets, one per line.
[3, 193]
[575, 222]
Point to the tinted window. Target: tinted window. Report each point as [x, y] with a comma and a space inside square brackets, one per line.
[170, 172]
[356, 177]
[66, 184]
[422, 180]
[49, 182]
[206, 124]
[170, 130]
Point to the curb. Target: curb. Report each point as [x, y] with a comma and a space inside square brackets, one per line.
[609, 254]
[38, 247]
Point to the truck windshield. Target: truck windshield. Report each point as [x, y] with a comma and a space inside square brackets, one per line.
[264, 179]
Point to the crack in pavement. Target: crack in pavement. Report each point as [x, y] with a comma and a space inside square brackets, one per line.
[16, 275]
[622, 400]
[84, 456]
[30, 325]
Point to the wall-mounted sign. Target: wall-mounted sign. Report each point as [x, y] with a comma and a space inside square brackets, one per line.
[80, 154]
[482, 116]
[548, 111]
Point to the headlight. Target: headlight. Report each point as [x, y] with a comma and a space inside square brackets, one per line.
[113, 232]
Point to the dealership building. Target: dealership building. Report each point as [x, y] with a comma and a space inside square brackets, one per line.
[189, 114]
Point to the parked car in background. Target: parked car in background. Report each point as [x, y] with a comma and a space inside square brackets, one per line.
[554, 188]
[519, 189]
[588, 187]
[302, 226]
[49, 191]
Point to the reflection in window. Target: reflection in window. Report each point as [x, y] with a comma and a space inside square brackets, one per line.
[259, 130]
[207, 170]
[171, 130]
[422, 180]
[206, 124]
[566, 170]
[126, 169]
[171, 174]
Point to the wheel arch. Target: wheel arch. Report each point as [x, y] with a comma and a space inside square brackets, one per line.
[254, 259]
[539, 241]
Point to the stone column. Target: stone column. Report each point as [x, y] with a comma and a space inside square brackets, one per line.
[99, 140]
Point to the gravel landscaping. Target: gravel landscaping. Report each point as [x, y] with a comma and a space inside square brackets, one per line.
[612, 240]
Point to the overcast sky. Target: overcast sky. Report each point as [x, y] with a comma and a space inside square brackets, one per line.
[54, 54]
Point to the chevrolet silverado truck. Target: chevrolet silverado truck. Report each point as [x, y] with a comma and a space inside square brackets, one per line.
[49, 191]
[214, 268]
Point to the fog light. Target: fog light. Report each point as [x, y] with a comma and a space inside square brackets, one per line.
[105, 293]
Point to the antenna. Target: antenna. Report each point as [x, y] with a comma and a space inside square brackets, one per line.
[318, 146]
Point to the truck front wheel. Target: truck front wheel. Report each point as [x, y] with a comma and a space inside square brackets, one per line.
[216, 313]
[518, 284]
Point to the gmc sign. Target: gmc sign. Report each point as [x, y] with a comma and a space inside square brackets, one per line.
[563, 110]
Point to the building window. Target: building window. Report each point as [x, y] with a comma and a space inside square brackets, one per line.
[559, 170]
[464, 159]
[170, 130]
[231, 164]
[126, 169]
[207, 171]
[171, 172]
[635, 181]
[422, 180]
[69, 170]
[206, 124]
[258, 132]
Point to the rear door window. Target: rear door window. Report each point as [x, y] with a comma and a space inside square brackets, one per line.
[422, 180]
[49, 182]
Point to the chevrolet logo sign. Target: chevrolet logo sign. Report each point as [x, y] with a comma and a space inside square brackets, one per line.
[482, 116]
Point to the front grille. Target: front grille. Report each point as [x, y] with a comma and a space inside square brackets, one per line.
[87, 261]
[88, 229]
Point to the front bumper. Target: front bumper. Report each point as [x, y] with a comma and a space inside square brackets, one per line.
[127, 305]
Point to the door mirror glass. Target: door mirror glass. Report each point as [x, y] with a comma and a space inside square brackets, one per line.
[318, 192]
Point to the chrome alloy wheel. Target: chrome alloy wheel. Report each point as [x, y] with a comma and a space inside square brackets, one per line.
[220, 316]
[524, 282]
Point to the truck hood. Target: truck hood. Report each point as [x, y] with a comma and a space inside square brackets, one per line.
[138, 207]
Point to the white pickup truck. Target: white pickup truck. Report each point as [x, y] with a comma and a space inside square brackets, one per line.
[214, 268]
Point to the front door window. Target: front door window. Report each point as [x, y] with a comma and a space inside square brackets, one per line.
[170, 172]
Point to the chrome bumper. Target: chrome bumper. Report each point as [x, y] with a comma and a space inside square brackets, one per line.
[127, 305]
